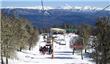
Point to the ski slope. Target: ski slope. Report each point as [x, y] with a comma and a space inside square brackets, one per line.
[62, 55]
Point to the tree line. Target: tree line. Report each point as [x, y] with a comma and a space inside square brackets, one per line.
[16, 34]
[101, 42]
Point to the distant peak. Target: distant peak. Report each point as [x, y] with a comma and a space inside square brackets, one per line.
[66, 6]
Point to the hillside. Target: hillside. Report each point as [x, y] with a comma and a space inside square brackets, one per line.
[51, 17]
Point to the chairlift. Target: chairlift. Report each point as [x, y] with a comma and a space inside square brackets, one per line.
[77, 44]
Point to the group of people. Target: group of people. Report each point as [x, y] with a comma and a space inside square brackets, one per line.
[47, 49]
[46, 46]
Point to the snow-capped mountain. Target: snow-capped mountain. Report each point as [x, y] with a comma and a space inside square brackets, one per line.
[52, 16]
[34, 7]
[66, 6]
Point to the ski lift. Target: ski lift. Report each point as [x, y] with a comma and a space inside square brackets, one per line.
[76, 42]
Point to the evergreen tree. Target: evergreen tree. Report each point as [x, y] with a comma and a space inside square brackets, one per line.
[102, 54]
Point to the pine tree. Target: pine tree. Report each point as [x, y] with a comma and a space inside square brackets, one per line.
[102, 54]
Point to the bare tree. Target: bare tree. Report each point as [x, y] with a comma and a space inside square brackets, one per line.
[14, 35]
[84, 32]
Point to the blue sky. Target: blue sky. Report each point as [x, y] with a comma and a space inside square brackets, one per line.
[55, 0]
[30, 3]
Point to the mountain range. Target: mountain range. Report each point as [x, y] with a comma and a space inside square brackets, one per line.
[58, 16]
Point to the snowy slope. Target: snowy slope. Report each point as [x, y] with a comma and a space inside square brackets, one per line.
[62, 55]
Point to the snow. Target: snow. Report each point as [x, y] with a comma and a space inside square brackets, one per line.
[62, 55]
[66, 6]
[34, 7]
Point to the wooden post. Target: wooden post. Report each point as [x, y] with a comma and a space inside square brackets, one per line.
[81, 55]
[52, 48]
[65, 39]
[83, 45]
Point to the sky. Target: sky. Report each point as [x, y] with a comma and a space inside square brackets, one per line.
[55, 0]
[31, 3]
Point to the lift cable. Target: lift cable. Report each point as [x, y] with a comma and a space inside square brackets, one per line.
[102, 9]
